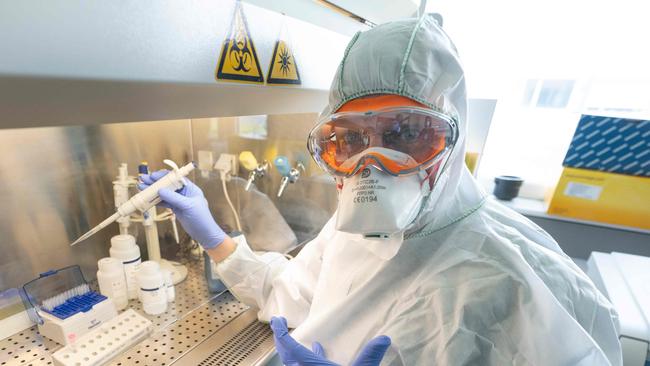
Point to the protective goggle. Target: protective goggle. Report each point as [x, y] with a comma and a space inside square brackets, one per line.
[397, 140]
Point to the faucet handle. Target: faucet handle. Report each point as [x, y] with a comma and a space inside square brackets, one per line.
[258, 172]
[300, 166]
[251, 178]
[283, 185]
[281, 163]
[247, 160]
[262, 168]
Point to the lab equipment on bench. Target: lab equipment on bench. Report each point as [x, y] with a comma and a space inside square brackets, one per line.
[257, 170]
[105, 342]
[63, 305]
[624, 279]
[247, 160]
[153, 292]
[146, 198]
[112, 281]
[149, 220]
[191, 209]
[124, 248]
[121, 186]
[289, 174]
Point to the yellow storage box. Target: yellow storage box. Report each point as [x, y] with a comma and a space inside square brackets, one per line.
[604, 197]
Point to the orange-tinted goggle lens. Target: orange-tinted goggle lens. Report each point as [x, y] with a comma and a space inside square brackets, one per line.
[419, 133]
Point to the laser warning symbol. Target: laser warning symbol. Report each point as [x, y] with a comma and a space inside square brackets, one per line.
[238, 61]
[283, 68]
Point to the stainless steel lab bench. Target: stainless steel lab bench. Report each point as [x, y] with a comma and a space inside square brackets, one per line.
[198, 328]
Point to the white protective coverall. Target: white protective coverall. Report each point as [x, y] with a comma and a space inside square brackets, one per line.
[472, 283]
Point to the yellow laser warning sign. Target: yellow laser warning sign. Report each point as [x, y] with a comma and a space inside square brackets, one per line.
[283, 68]
[238, 61]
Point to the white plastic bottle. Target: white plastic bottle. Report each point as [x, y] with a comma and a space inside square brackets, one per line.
[169, 285]
[124, 248]
[153, 292]
[112, 282]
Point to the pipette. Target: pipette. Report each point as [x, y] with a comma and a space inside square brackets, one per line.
[145, 199]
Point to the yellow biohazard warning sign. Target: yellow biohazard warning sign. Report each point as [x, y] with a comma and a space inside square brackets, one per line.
[283, 68]
[238, 61]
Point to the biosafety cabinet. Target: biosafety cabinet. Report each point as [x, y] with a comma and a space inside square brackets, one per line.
[88, 86]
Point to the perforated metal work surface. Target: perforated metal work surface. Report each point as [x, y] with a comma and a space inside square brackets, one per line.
[245, 341]
[170, 343]
[190, 319]
[27, 348]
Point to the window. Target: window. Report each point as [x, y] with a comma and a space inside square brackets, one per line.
[554, 93]
[253, 127]
[546, 62]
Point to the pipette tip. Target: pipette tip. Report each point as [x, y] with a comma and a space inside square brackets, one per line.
[97, 228]
[81, 238]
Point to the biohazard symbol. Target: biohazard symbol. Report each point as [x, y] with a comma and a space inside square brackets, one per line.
[238, 60]
[283, 68]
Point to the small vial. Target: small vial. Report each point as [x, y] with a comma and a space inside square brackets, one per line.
[112, 281]
[124, 248]
[153, 292]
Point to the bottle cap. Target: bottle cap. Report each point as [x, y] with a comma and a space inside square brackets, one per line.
[149, 268]
[109, 264]
[123, 242]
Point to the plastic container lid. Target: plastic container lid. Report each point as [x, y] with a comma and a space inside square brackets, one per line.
[149, 268]
[109, 264]
[123, 242]
[47, 285]
[124, 247]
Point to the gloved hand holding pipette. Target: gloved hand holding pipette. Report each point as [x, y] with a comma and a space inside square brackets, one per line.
[191, 209]
[146, 198]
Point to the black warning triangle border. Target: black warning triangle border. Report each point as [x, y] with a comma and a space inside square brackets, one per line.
[223, 76]
[280, 81]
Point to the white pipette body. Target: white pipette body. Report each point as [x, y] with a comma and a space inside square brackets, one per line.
[145, 199]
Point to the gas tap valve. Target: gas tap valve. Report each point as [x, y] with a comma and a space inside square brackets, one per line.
[248, 161]
[289, 175]
[259, 172]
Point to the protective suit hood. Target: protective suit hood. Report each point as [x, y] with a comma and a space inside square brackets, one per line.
[416, 59]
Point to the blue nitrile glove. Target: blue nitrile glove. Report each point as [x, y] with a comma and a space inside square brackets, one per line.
[191, 209]
[293, 353]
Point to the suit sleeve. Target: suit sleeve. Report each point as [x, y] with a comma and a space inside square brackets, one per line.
[271, 282]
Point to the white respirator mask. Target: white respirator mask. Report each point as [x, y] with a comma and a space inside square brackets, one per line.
[378, 205]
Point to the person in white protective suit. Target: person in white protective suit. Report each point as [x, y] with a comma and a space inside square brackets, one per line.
[415, 250]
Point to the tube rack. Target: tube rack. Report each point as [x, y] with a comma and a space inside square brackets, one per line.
[105, 342]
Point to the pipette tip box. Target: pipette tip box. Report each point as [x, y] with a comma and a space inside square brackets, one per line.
[64, 306]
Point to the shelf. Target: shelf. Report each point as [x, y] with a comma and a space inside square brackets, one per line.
[538, 208]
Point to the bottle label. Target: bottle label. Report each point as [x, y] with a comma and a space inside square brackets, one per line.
[153, 295]
[130, 270]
